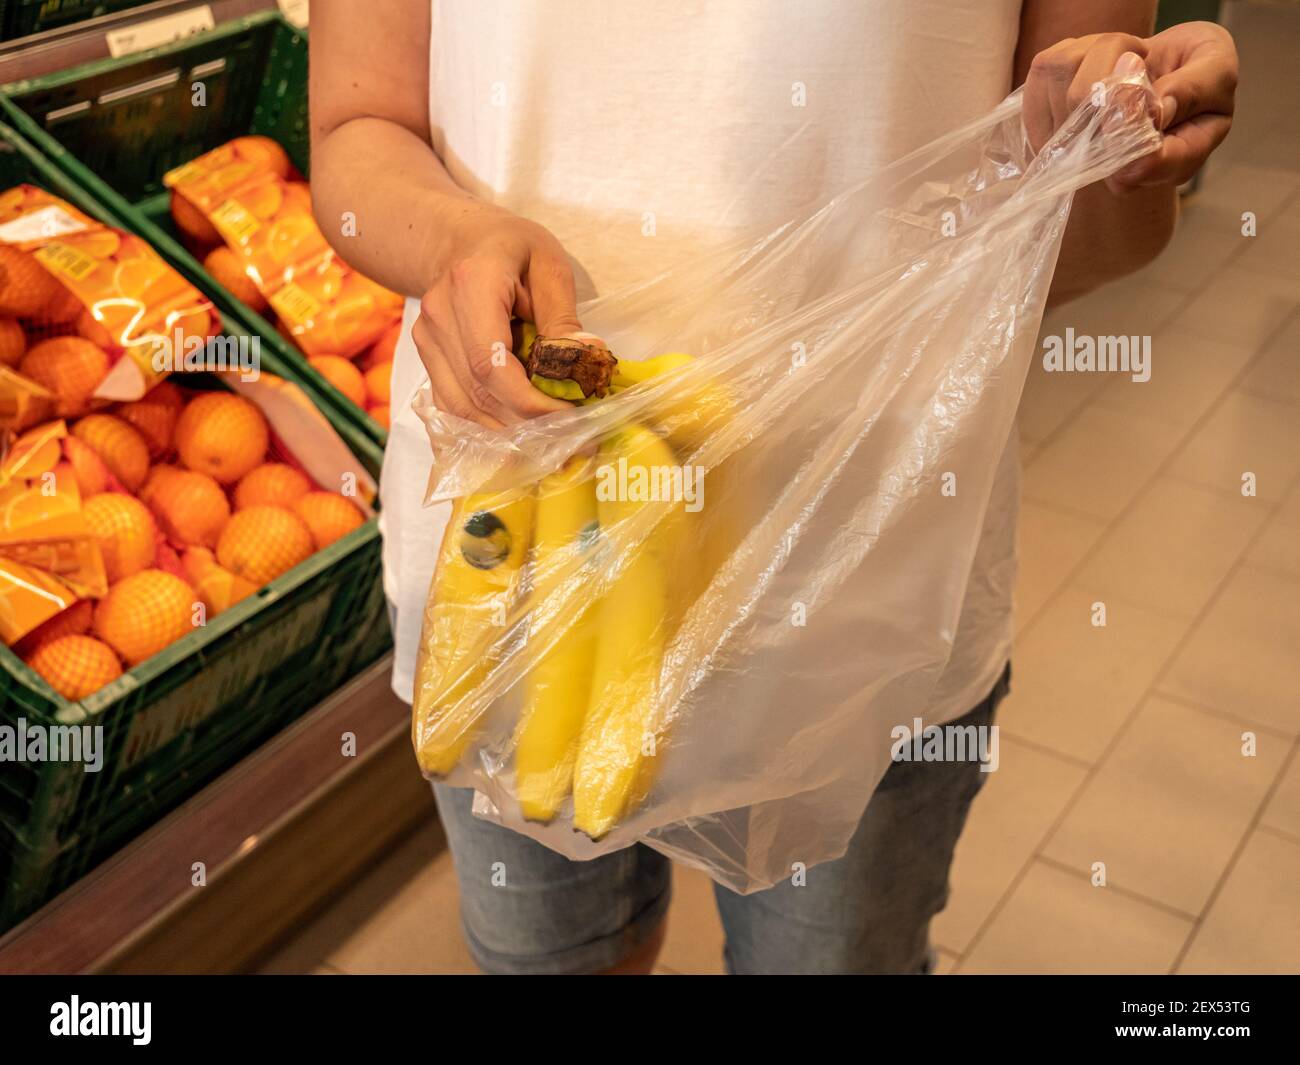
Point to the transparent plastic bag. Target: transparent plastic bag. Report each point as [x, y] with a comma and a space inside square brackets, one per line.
[715, 670]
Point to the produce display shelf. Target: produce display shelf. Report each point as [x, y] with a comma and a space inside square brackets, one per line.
[23, 18]
[179, 718]
[117, 125]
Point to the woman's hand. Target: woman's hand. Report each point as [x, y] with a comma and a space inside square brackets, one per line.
[497, 265]
[1193, 68]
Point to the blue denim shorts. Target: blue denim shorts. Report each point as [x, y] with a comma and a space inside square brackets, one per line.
[527, 909]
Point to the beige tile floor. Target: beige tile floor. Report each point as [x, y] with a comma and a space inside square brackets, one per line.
[1123, 745]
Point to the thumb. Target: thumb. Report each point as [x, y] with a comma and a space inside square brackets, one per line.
[1201, 86]
[552, 295]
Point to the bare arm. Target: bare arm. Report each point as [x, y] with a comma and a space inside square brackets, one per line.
[472, 264]
[1112, 231]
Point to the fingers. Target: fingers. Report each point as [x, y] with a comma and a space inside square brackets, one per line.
[1182, 153]
[1206, 85]
[449, 395]
[1063, 76]
[551, 294]
[1196, 84]
[482, 296]
[463, 331]
[463, 334]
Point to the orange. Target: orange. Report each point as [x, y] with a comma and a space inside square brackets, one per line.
[88, 326]
[217, 587]
[63, 308]
[347, 317]
[76, 666]
[13, 342]
[70, 367]
[271, 484]
[192, 322]
[323, 281]
[328, 515]
[88, 469]
[383, 349]
[379, 381]
[73, 620]
[262, 542]
[221, 434]
[99, 243]
[264, 153]
[382, 413]
[122, 448]
[143, 278]
[192, 222]
[26, 287]
[228, 270]
[342, 375]
[167, 394]
[263, 200]
[154, 416]
[125, 530]
[284, 239]
[144, 613]
[190, 506]
[297, 197]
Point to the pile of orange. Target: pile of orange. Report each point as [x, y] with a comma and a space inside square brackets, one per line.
[53, 338]
[364, 380]
[193, 511]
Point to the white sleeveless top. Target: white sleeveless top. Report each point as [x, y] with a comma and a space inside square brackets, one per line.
[640, 132]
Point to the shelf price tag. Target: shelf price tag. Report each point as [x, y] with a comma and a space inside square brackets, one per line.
[159, 31]
[294, 12]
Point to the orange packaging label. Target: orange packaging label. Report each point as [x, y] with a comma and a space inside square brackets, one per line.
[23, 402]
[140, 310]
[235, 222]
[48, 554]
[295, 304]
[66, 262]
[328, 307]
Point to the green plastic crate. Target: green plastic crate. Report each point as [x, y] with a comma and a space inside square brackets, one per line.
[21, 18]
[178, 719]
[116, 126]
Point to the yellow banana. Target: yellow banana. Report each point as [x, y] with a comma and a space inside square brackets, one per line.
[687, 421]
[627, 373]
[616, 751]
[559, 685]
[474, 587]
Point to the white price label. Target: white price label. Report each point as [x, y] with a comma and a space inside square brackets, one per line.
[294, 12]
[159, 31]
[48, 222]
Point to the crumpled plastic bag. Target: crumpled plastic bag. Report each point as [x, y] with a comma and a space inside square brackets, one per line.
[691, 613]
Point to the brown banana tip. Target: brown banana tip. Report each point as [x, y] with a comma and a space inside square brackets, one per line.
[591, 366]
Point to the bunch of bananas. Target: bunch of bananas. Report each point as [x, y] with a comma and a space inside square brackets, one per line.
[585, 728]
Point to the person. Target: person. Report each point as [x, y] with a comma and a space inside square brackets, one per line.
[508, 158]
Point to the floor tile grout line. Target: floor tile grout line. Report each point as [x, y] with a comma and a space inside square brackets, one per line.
[1220, 493]
[1144, 489]
[1119, 889]
[1222, 715]
[1153, 689]
[1233, 858]
[1091, 771]
[1066, 511]
[1240, 563]
[1280, 833]
[1189, 297]
[1043, 749]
